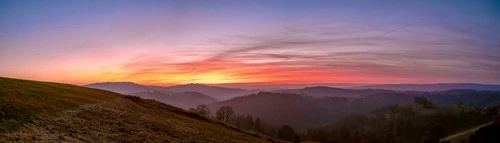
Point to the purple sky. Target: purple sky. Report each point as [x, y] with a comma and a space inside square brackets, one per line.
[173, 42]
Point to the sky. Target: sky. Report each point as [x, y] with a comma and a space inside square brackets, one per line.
[278, 42]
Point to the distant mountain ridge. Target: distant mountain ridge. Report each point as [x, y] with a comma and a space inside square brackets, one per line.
[130, 88]
[220, 93]
[119, 87]
[224, 93]
[432, 87]
[324, 91]
[183, 100]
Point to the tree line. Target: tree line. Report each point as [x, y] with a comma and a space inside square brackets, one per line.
[227, 115]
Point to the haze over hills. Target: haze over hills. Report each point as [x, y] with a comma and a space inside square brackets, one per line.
[219, 93]
[281, 86]
[33, 111]
[190, 95]
[324, 91]
[119, 87]
[183, 100]
[223, 93]
[432, 87]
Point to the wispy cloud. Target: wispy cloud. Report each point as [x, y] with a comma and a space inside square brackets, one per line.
[299, 55]
[292, 41]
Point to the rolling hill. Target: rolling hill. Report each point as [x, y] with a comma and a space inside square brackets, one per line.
[432, 87]
[183, 100]
[33, 111]
[219, 93]
[119, 87]
[324, 91]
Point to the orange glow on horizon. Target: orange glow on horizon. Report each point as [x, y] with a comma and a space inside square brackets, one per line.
[238, 73]
[159, 71]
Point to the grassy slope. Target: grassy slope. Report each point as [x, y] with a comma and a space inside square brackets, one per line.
[22, 101]
[51, 112]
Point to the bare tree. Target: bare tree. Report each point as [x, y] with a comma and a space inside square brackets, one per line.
[225, 114]
[202, 109]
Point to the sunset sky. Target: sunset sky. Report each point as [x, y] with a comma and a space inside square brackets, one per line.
[234, 41]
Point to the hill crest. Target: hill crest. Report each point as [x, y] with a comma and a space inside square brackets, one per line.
[33, 111]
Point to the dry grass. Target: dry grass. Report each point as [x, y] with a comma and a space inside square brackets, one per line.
[75, 114]
[21, 101]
